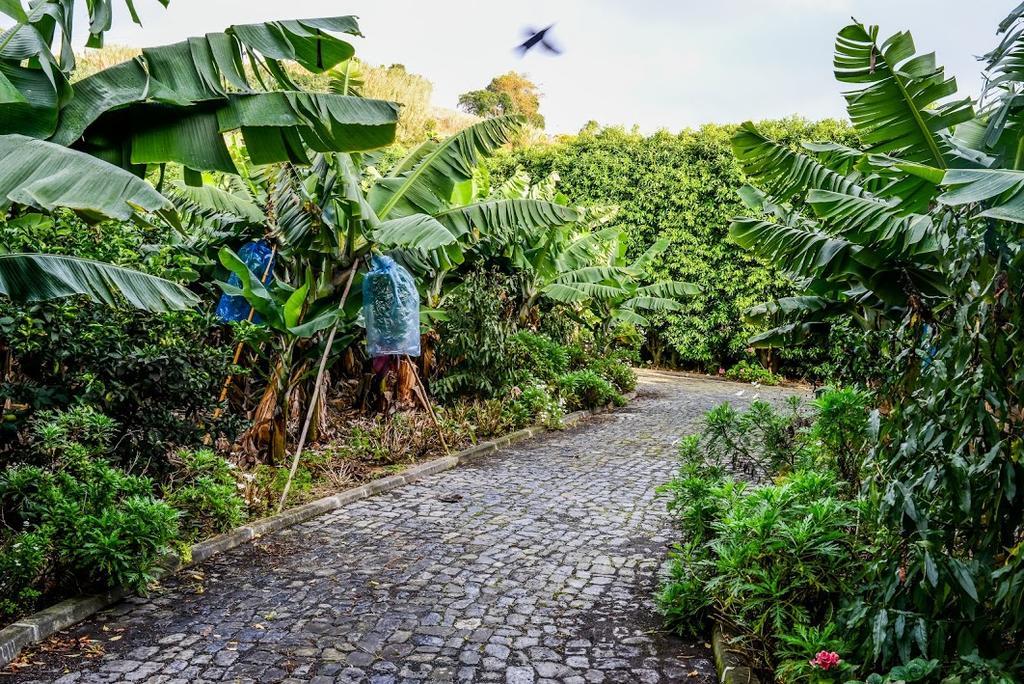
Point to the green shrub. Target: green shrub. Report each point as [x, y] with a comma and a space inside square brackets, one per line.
[103, 527]
[74, 522]
[585, 389]
[744, 371]
[23, 563]
[617, 372]
[538, 355]
[156, 375]
[534, 406]
[762, 440]
[473, 353]
[205, 493]
[769, 558]
[841, 429]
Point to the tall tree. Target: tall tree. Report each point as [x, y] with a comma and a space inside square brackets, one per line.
[511, 93]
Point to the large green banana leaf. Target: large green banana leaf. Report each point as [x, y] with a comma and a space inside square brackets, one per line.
[42, 175]
[209, 202]
[504, 219]
[33, 81]
[1002, 190]
[780, 171]
[417, 231]
[799, 250]
[872, 223]
[899, 106]
[174, 102]
[424, 181]
[39, 277]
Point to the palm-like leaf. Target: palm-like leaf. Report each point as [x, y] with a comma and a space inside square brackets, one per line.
[209, 202]
[873, 223]
[799, 250]
[424, 181]
[780, 171]
[505, 219]
[40, 174]
[39, 277]
[1003, 190]
[898, 108]
[417, 231]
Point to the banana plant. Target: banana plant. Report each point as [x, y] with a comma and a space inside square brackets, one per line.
[860, 230]
[613, 289]
[39, 176]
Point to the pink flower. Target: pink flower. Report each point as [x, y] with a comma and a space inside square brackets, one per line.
[826, 660]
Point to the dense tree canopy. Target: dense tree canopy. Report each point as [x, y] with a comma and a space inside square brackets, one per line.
[680, 187]
[511, 93]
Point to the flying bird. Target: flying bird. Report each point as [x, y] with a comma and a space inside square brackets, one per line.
[538, 38]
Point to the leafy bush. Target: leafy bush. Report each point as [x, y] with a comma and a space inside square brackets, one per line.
[205, 493]
[585, 389]
[538, 355]
[761, 440]
[744, 371]
[764, 559]
[23, 565]
[74, 522]
[841, 430]
[473, 354]
[617, 372]
[534, 406]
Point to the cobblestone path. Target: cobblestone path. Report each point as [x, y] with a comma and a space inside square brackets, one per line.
[534, 564]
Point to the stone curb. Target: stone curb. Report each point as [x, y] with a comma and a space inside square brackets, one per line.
[43, 624]
[731, 665]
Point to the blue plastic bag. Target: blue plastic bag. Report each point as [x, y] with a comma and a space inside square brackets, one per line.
[391, 309]
[257, 256]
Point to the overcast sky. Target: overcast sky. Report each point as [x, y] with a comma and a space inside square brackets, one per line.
[658, 64]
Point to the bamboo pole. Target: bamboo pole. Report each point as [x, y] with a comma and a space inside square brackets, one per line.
[316, 392]
[238, 349]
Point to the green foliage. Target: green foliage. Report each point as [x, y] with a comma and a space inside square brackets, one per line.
[760, 440]
[147, 372]
[23, 565]
[764, 559]
[534, 406]
[586, 389]
[617, 372]
[917, 236]
[681, 188]
[205, 493]
[744, 371]
[474, 348]
[538, 356]
[510, 93]
[75, 522]
[841, 429]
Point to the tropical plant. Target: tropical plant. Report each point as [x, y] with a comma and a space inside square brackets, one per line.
[43, 176]
[682, 187]
[919, 232]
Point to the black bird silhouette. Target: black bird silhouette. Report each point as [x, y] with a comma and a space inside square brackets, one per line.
[538, 38]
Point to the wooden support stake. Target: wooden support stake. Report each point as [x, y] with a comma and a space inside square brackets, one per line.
[426, 402]
[316, 392]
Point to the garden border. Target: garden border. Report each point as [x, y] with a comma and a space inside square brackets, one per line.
[47, 622]
[732, 666]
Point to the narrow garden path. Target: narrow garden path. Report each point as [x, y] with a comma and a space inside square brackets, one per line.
[535, 564]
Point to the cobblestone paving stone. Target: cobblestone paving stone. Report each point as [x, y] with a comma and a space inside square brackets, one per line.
[543, 571]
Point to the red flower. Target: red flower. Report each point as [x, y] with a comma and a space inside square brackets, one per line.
[826, 660]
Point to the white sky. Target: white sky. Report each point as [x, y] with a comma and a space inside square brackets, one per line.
[658, 64]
